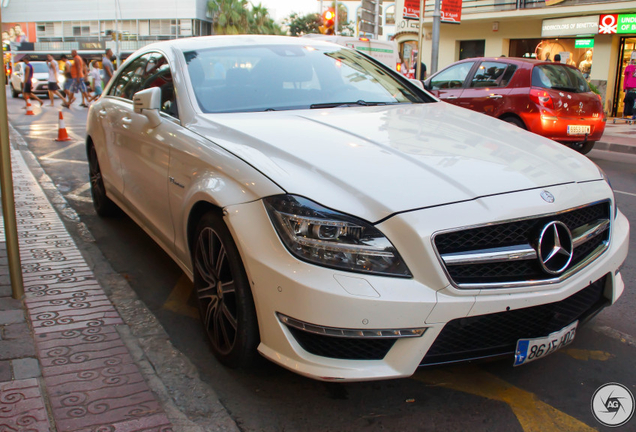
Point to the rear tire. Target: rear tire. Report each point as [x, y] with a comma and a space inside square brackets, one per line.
[515, 121]
[104, 206]
[223, 294]
[584, 148]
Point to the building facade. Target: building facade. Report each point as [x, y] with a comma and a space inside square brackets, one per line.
[597, 36]
[91, 25]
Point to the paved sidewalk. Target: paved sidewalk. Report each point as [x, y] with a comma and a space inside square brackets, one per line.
[85, 379]
[618, 137]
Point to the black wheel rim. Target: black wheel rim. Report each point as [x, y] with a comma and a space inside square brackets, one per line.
[97, 184]
[216, 291]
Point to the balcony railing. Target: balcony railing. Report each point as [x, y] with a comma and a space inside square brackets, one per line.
[481, 6]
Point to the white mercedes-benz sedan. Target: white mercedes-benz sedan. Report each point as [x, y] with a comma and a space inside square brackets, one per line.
[344, 223]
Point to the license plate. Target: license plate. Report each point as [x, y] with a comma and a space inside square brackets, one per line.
[45, 87]
[578, 129]
[532, 349]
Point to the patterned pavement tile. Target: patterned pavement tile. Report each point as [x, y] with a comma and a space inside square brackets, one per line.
[22, 407]
[154, 423]
[91, 379]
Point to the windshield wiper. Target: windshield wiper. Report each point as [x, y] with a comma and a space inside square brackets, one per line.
[345, 104]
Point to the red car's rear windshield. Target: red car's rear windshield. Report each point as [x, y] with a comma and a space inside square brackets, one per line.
[559, 77]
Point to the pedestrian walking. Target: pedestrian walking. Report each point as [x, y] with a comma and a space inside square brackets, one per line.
[27, 88]
[629, 86]
[54, 73]
[77, 74]
[107, 66]
[96, 75]
[68, 81]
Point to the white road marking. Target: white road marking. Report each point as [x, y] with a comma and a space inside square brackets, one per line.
[625, 193]
[62, 150]
[80, 190]
[44, 161]
[79, 198]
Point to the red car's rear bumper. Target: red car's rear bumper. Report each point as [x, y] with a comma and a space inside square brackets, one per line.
[556, 128]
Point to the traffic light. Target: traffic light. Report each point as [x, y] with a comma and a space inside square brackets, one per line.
[328, 19]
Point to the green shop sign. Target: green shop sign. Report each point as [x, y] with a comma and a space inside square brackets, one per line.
[584, 43]
[626, 23]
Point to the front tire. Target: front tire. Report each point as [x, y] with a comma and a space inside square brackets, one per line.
[103, 205]
[14, 93]
[223, 294]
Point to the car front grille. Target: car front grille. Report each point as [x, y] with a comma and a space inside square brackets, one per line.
[348, 348]
[497, 334]
[505, 254]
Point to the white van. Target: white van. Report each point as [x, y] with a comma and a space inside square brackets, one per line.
[384, 51]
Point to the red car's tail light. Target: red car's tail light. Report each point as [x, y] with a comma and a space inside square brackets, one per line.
[541, 97]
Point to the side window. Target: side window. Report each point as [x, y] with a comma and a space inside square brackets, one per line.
[128, 83]
[489, 74]
[157, 74]
[453, 77]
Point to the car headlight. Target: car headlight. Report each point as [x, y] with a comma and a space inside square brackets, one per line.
[609, 183]
[34, 81]
[328, 238]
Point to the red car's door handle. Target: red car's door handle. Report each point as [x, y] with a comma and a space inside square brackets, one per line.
[495, 96]
[449, 97]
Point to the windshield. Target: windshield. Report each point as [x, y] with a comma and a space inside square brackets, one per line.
[39, 68]
[279, 77]
[559, 77]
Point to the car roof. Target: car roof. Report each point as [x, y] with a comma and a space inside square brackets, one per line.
[217, 41]
[514, 60]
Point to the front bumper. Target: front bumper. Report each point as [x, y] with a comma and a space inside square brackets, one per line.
[331, 299]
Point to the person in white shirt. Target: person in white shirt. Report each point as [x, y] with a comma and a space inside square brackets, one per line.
[96, 77]
[54, 73]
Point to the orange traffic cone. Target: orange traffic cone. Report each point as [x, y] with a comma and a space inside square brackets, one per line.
[62, 135]
[29, 110]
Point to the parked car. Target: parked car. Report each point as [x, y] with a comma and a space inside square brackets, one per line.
[342, 222]
[39, 80]
[549, 99]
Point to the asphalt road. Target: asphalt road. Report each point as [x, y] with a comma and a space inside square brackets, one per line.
[548, 395]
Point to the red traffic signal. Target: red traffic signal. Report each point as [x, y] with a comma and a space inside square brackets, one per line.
[328, 18]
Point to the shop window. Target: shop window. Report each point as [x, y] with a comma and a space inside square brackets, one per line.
[471, 48]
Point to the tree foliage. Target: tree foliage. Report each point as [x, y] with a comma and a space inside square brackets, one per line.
[302, 25]
[231, 17]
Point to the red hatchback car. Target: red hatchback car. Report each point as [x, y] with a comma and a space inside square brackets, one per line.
[549, 99]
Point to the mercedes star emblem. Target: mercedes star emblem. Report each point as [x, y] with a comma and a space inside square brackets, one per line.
[555, 247]
[547, 196]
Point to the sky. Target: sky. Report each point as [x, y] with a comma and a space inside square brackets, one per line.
[280, 9]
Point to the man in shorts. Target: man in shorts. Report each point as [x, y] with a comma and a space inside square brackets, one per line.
[77, 72]
[27, 87]
[54, 73]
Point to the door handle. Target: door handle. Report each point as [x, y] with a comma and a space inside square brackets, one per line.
[495, 96]
[102, 113]
[126, 120]
[450, 97]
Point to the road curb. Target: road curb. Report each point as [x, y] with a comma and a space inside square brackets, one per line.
[615, 148]
[190, 404]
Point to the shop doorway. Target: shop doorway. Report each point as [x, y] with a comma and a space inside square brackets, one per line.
[471, 48]
[627, 46]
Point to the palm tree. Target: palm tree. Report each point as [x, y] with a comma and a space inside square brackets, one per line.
[229, 16]
[261, 22]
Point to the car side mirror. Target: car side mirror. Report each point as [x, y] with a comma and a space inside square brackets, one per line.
[417, 83]
[148, 103]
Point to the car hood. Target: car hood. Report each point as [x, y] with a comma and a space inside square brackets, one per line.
[373, 162]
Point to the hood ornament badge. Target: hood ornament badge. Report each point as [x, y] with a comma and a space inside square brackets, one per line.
[547, 196]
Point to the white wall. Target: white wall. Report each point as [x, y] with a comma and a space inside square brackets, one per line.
[87, 10]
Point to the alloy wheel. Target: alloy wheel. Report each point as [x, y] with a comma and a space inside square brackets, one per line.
[217, 291]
